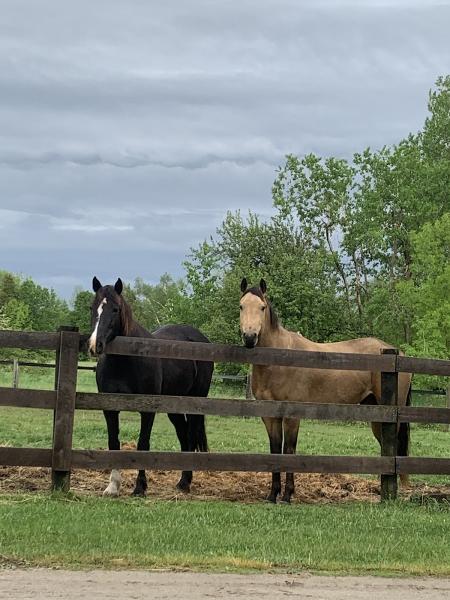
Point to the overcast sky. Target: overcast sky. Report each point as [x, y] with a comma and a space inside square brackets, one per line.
[129, 128]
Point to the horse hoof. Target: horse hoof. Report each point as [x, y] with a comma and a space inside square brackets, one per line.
[110, 492]
[285, 501]
[138, 493]
[271, 499]
[184, 487]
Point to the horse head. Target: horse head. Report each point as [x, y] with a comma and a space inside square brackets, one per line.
[254, 308]
[110, 315]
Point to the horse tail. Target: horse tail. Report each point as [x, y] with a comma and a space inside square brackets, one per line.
[404, 438]
[197, 439]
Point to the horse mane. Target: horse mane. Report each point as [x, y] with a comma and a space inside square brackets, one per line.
[126, 317]
[274, 320]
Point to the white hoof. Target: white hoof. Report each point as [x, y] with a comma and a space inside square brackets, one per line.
[113, 488]
[111, 491]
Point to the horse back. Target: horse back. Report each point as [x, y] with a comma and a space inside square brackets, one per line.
[184, 377]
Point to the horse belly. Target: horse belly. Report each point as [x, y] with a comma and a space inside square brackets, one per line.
[339, 387]
[311, 385]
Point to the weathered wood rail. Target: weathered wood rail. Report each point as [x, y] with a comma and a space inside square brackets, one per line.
[64, 400]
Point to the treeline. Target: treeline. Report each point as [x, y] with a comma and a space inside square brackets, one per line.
[355, 248]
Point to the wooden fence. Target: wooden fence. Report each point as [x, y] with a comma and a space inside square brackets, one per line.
[64, 400]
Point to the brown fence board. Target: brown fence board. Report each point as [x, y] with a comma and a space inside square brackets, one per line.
[230, 407]
[428, 366]
[27, 398]
[423, 414]
[25, 457]
[27, 340]
[423, 466]
[204, 461]
[257, 356]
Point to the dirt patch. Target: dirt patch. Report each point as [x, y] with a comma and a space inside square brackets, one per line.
[241, 487]
[236, 487]
[73, 585]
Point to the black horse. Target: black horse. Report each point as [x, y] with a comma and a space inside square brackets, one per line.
[111, 317]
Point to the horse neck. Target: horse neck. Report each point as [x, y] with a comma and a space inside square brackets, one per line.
[279, 337]
[136, 330]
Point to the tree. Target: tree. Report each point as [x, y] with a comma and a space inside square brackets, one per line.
[436, 131]
[4, 321]
[431, 292]
[9, 285]
[80, 315]
[18, 314]
[47, 311]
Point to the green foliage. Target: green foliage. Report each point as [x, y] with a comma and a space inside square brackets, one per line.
[4, 321]
[159, 304]
[429, 293]
[80, 315]
[46, 310]
[436, 132]
[9, 287]
[18, 314]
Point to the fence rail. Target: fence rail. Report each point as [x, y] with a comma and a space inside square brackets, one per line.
[65, 400]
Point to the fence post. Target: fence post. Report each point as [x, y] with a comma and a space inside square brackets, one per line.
[65, 384]
[389, 431]
[15, 382]
[248, 386]
[447, 395]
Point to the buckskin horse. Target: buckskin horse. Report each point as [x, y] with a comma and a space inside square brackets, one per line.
[111, 317]
[260, 327]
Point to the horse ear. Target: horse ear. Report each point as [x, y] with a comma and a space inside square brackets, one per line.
[118, 286]
[263, 286]
[96, 285]
[243, 285]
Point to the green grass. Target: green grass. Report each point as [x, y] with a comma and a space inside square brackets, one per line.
[358, 538]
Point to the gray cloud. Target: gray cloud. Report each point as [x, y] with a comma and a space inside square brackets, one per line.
[128, 130]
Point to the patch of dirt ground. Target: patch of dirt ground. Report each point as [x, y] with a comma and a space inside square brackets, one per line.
[231, 486]
[78, 585]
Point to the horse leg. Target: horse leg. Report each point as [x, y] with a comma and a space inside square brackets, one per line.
[112, 423]
[181, 427]
[402, 447]
[147, 420]
[290, 431]
[275, 432]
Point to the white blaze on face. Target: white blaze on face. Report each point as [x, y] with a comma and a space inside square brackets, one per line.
[113, 488]
[93, 338]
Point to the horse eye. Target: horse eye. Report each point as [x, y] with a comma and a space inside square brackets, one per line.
[241, 307]
[115, 309]
[263, 308]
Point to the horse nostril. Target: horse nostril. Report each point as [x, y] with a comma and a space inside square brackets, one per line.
[99, 347]
[250, 340]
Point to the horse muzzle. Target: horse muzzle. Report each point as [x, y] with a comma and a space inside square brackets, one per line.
[250, 339]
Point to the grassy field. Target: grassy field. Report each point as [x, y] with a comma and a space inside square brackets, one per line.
[87, 531]
[357, 538]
